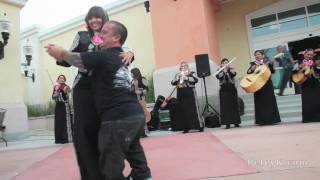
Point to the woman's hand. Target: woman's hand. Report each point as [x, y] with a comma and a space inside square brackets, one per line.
[253, 68]
[126, 57]
[66, 89]
[57, 86]
[138, 92]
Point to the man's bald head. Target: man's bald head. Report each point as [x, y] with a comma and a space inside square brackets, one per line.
[113, 34]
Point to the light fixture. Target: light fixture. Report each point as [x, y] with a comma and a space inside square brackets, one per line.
[27, 72]
[27, 51]
[147, 5]
[5, 32]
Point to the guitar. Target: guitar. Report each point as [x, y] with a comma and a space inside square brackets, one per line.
[302, 75]
[253, 82]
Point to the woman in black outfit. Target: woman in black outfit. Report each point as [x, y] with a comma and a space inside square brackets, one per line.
[141, 87]
[188, 110]
[229, 108]
[310, 96]
[265, 104]
[86, 119]
[63, 122]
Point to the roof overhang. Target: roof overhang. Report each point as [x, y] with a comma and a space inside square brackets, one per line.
[19, 3]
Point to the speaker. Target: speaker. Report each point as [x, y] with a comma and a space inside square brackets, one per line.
[202, 64]
[212, 120]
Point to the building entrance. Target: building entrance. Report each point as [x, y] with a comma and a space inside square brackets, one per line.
[297, 47]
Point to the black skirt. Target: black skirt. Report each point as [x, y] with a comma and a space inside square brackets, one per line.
[310, 97]
[188, 109]
[63, 123]
[229, 108]
[266, 108]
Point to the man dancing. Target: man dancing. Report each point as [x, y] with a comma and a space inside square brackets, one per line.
[122, 118]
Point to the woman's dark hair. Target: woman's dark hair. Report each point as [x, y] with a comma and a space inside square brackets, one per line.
[98, 12]
[136, 74]
[307, 50]
[224, 59]
[260, 51]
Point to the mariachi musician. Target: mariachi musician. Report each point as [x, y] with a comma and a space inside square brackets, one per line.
[188, 110]
[229, 108]
[63, 122]
[316, 68]
[265, 104]
[310, 88]
[140, 85]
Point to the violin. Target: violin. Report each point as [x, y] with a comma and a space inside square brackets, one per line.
[62, 87]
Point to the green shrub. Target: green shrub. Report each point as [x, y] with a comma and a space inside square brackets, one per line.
[150, 92]
[40, 109]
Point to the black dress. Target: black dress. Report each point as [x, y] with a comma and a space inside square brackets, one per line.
[310, 97]
[265, 103]
[229, 108]
[63, 122]
[86, 119]
[187, 105]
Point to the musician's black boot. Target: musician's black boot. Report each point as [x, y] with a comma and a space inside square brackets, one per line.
[236, 125]
[201, 129]
[228, 126]
[280, 94]
[185, 131]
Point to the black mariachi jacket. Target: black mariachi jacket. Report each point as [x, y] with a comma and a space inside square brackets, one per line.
[81, 43]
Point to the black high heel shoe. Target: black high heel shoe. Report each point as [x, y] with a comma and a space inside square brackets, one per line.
[185, 131]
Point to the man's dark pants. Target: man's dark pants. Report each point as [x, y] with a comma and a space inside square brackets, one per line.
[284, 80]
[119, 140]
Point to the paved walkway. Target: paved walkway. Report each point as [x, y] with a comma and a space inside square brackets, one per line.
[287, 151]
[37, 138]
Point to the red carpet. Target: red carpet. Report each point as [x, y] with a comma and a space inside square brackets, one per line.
[175, 157]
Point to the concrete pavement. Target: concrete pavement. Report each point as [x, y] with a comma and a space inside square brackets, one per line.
[286, 151]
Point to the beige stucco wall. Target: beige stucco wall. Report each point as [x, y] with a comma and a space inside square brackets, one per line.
[140, 37]
[232, 30]
[11, 80]
[138, 23]
[49, 69]
[10, 76]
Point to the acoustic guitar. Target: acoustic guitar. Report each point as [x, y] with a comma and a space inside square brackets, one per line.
[253, 82]
[302, 75]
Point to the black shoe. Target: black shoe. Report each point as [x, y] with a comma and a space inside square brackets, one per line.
[228, 126]
[236, 125]
[185, 131]
[201, 129]
[279, 94]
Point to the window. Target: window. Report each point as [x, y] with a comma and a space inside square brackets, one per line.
[264, 25]
[264, 21]
[314, 14]
[286, 21]
[292, 19]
